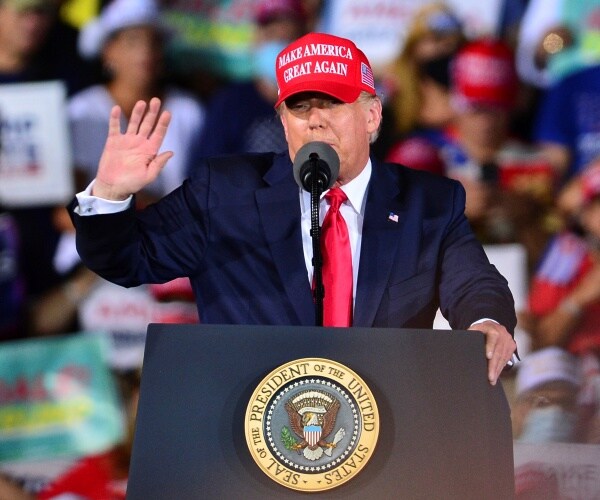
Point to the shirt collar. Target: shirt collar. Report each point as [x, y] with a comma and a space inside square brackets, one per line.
[355, 190]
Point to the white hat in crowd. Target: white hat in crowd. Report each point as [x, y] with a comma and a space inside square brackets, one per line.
[547, 365]
[118, 15]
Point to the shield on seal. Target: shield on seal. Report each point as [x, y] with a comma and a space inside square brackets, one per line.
[312, 434]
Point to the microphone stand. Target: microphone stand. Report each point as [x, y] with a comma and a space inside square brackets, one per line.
[316, 189]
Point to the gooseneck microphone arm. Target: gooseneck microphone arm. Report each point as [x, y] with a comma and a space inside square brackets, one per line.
[316, 169]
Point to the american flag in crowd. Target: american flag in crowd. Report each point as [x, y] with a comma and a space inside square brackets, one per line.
[366, 76]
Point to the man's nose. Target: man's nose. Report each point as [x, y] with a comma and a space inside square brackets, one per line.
[316, 117]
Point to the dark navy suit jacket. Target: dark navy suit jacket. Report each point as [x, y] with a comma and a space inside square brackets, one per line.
[234, 229]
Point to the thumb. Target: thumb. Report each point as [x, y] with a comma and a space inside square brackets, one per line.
[158, 163]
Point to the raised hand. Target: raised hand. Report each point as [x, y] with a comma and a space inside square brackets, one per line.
[130, 160]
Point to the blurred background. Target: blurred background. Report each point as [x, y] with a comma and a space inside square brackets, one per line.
[505, 99]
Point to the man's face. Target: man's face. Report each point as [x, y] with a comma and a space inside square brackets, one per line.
[557, 394]
[22, 32]
[135, 54]
[313, 116]
[485, 126]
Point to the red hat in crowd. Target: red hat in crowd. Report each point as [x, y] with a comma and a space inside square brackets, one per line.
[590, 182]
[320, 62]
[417, 153]
[269, 10]
[483, 73]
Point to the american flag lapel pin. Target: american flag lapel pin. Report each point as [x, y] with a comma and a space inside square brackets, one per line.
[393, 217]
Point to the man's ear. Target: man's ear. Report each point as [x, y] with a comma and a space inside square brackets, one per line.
[374, 115]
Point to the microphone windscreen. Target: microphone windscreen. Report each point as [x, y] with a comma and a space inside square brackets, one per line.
[329, 163]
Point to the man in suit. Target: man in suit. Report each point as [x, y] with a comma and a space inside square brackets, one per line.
[240, 227]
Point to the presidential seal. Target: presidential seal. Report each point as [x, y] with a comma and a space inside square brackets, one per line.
[311, 424]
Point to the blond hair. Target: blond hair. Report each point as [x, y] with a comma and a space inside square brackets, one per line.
[406, 102]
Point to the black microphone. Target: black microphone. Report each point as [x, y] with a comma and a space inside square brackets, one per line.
[319, 158]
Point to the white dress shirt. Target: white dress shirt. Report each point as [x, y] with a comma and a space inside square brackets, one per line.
[353, 211]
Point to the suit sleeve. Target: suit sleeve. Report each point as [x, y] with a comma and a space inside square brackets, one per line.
[470, 287]
[162, 242]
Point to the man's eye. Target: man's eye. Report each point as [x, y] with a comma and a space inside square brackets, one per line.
[331, 103]
[300, 106]
[303, 106]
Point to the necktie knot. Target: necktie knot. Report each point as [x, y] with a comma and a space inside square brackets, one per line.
[335, 197]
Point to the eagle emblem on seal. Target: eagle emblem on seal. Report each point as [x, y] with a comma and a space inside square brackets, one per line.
[312, 416]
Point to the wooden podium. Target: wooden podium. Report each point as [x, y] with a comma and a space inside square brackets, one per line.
[445, 432]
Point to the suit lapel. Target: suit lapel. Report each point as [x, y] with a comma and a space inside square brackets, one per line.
[279, 211]
[386, 236]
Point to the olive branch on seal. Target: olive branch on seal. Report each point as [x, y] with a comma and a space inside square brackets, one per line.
[287, 438]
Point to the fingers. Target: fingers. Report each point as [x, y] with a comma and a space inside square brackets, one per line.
[142, 122]
[499, 348]
[114, 122]
[160, 130]
[499, 351]
[157, 164]
[495, 367]
[149, 119]
[136, 117]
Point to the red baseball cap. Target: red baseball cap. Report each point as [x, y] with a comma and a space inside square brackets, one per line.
[417, 153]
[483, 73]
[319, 62]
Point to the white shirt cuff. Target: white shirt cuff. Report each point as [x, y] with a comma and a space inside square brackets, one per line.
[89, 204]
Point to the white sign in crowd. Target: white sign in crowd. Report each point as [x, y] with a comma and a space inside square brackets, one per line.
[35, 150]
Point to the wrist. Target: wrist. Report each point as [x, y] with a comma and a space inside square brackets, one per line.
[101, 190]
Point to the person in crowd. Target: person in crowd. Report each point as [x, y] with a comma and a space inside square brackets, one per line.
[564, 296]
[509, 184]
[10, 489]
[24, 27]
[566, 123]
[509, 22]
[36, 45]
[555, 38]
[417, 81]
[82, 301]
[12, 292]
[56, 310]
[546, 408]
[255, 127]
[589, 396]
[129, 37]
[418, 152]
[541, 21]
[239, 231]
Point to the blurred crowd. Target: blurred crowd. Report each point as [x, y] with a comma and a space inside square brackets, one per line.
[512, 113]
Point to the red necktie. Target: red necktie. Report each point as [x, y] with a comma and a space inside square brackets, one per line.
[337, 263]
